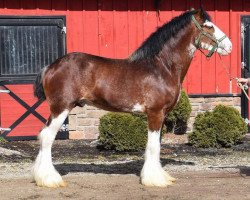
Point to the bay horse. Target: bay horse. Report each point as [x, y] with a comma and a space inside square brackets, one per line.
[148, 81]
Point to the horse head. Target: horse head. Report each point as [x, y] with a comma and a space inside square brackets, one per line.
[209, 36]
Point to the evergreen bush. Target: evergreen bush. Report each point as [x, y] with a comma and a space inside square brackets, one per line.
[230, 126]
[223, 127]
[123, 132]
[203, 134]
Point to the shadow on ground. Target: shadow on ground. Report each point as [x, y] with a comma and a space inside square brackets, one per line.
[243, 170]
[130, 167]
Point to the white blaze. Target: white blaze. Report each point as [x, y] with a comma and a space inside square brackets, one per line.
[225, 46]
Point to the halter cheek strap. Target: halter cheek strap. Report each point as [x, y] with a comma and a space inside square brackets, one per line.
[208, 35]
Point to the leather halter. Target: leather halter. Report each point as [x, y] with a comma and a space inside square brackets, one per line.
[208, 35]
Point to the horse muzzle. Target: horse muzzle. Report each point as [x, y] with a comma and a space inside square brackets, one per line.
[225, 47]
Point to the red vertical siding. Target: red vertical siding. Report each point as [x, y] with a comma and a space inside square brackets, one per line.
[90, 30]
[106, 28]
[222, 20]
[13, 5]
[44, 8]
[135, 25]
[208, 72]
[116, 28]
[149, 18]
[194, 79]
[235, 35]
[165, 13]
[120, 29]
[59, 7]
[75, 25]
[29, 5]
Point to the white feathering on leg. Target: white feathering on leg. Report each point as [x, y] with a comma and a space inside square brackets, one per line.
[152, 173]
[43, 170]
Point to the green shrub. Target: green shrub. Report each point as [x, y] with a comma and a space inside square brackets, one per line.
[176, 121]
[223, 127]
[123, 132]
[204, 134]
[230, 126]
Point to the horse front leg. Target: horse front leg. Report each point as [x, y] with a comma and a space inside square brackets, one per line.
[152, 173]
[43, 171]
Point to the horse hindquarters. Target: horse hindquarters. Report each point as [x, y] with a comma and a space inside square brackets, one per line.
[53, 84]
[44, 172]
[152, 173]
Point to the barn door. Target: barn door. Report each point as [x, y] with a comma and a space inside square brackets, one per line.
[27, 45]
[245, 65]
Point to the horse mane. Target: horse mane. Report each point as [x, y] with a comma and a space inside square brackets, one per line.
[155, 42]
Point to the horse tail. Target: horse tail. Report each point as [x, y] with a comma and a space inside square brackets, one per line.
[38, 85]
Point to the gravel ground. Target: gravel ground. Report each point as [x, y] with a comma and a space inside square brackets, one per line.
[95, 174]
[176, 155]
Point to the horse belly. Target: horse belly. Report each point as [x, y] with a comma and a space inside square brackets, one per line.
[109, 106]
[120, 102]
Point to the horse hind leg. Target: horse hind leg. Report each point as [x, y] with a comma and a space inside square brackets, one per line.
[43, 171]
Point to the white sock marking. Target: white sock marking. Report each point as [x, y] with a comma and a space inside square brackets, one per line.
[152, 173]
[44, 171]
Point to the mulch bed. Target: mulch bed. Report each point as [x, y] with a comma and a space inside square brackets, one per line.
[82, 149]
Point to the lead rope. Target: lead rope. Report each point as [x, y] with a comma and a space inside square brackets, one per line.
[239, 84]
[242, 88]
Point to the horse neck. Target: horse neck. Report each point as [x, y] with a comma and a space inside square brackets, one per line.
[177, 53]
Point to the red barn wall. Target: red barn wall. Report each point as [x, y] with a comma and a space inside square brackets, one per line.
[115, 29]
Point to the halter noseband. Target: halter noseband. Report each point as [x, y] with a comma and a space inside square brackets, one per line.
[206, 34]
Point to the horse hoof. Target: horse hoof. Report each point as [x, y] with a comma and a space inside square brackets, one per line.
[169, 178]
[156, 183]
[172, 179]
[160, 180]
[51, 184]
[50, 179]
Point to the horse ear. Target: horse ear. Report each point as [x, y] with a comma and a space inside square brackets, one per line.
[202, 9]
[203, 14]
[200, 12]
[193, 11]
